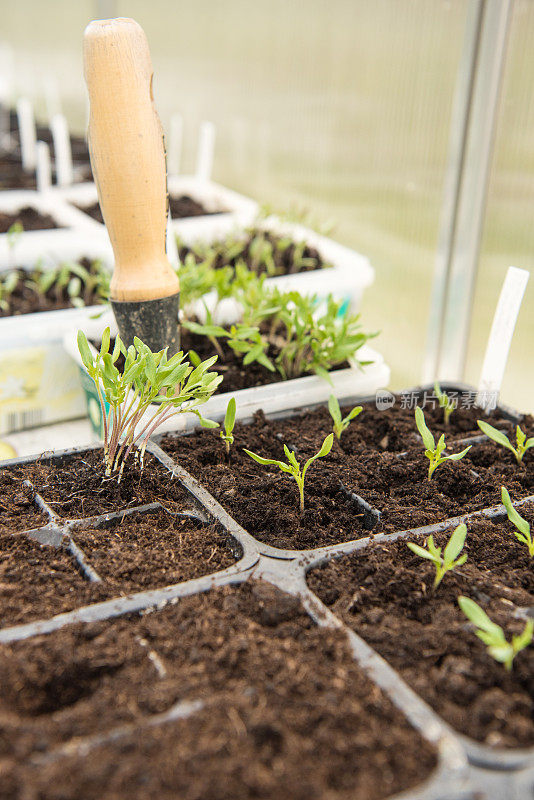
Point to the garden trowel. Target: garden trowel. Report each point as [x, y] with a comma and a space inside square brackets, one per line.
[128, 161]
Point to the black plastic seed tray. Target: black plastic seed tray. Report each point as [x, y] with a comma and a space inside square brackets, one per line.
[466, 769]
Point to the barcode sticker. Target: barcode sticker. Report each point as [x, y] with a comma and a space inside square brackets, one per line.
[19, 420]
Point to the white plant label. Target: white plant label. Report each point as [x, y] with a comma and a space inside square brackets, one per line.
[171, 246]
[28, 135]
[174, 151]
[206, 148]
[62, 151]
[500, 337]
[44, 168]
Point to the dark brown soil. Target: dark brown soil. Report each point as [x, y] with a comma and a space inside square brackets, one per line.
[181, 207]
[149, 551]
[394, 428]
[385, 594]
[287, 713]
[399, 487]
[76, 487]
[25, 299]
[155, 550]
[30, 218]
[12, 176]
[37, 582]
[264, 500]
[18, 511]
[285, 261]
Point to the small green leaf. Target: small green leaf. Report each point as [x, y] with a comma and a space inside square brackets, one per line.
[420, 551]
[496, 435]
[455, 544]
[333, 408]
[478, 617]
[85, 350]
[458, 456]
[428, 439]
[515, 518]
[229, 417]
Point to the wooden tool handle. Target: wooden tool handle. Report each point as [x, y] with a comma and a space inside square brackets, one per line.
[128, 158]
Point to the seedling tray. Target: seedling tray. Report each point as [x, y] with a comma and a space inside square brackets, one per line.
[450, 772]
[491, 773]
[31, 245]
[277, 397]
[230, 207]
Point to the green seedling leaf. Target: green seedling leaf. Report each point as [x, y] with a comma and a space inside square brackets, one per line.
[523, 528]
[428, 439]
[434, 452]
[493, 635]
[292, 467]
[451, 556]
[229, 422]
[445, 403]
[522, 443]
[339, 424]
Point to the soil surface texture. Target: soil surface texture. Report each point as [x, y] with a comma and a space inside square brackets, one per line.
[151, 550]
[136, 553]
[30, 218]
[385, 594]
[181, 207]
[265, 501]
[75, 487]
[282, 712]
[18, 511]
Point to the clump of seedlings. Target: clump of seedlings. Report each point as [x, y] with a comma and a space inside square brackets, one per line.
[292, 467]
[226, 433]
[261, 251]
[434, 452]
[287, 332]
[340, 425]
[451, 557]
[445, 402]
[68, 284]
[148, 380]
[493, 636]
[82, 284]
[523, 528]
[522, 443]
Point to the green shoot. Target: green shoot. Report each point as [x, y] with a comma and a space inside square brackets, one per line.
[450, 560]
[9, 282]
[13, 235]
[341, 425]
[229, 422]
[149, 381]
[445, 403]
[292, 467]
[522, 443]
[493, 635]
[434, 452]
[523, 528]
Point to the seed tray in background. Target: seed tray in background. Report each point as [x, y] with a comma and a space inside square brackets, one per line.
[31, 245]
[230, 207]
